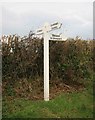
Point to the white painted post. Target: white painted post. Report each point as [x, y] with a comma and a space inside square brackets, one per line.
[46, 66]
[45, 31]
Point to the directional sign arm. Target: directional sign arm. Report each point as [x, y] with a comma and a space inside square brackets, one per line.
[56, 25]
[39, 31]
[58, 37]
[47, 28]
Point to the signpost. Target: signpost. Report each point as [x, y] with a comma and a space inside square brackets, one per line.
[45, 32]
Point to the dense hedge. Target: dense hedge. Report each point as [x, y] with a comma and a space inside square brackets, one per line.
[72, 59]
[69, 60]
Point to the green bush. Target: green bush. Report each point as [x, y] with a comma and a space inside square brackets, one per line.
[69, 60]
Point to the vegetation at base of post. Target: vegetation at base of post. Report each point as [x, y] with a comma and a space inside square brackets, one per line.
[72, 105]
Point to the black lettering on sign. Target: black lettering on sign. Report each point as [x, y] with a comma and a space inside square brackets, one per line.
[39, 30]
[54, 24]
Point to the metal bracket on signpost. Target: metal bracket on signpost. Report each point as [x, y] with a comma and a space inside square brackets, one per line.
[45, 32]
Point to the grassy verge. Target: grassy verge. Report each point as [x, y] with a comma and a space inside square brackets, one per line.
[66, 105]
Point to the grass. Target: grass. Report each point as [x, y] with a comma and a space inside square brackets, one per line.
[66, 105]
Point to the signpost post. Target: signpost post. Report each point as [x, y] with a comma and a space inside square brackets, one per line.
[45, 32]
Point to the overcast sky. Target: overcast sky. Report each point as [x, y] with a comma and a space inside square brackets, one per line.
[76, 18]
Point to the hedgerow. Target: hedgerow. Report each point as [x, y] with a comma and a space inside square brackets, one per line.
[70, 60]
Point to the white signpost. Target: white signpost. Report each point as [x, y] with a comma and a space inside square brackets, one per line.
[45, 32]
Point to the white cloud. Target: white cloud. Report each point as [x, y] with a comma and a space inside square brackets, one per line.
[21, 17]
